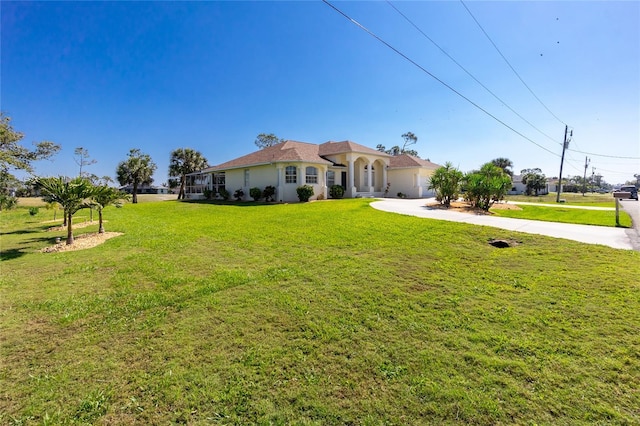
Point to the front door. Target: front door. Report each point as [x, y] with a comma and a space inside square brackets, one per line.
[344, 180]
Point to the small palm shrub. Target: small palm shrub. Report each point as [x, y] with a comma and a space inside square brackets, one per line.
[336, 191]
[33, 211]
[238, 194]
[268, 193]
[224, 194]
[304, 192]
[255, 193]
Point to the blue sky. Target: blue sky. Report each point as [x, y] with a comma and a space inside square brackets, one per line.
[111, 76]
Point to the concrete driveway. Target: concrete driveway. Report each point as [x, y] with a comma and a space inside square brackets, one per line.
[609, 236]
[633, 208]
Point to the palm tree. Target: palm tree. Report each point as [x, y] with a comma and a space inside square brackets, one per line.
[184, 161]
[106, 196]
[446, 182]
[72, 195]
[505, 164]
[136, 170]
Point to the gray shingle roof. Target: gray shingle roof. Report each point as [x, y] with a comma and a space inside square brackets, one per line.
[292, 151]
[409, 161]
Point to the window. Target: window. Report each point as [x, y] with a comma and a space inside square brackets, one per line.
[366, 175]
[331, 178]
[246, 178]
[219, 181]
[290, 175]
[312, 175]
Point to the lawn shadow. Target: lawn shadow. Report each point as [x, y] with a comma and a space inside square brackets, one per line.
[14, 253]
[21, 232]
[34, 230]
[11, 254]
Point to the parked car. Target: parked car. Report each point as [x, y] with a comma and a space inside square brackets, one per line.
[631, 189]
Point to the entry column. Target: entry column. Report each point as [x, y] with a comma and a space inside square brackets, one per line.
[351, 189]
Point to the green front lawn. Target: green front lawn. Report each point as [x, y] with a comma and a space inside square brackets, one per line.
[318, 313]
[589, 199]
[567, 215]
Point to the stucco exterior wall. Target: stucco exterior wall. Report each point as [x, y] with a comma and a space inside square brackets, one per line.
[233, 181]
[274, 175]
[259, 177]
[401, 181]
[289, 190]
[413, 182]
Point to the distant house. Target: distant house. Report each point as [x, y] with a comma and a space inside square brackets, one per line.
[552, 185]
[145, 189]
[519, 188]
[361, 171]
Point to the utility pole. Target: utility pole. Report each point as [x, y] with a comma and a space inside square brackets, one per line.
[584, 179]
[565, 145]
[593, 171]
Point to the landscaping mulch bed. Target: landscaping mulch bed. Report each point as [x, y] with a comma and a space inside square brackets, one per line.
[465, 207]
[81, 242]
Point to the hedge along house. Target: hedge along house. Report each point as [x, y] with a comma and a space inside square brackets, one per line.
[361, 171]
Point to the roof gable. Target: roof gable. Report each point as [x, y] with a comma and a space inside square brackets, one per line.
[332, 148]
[408, 161]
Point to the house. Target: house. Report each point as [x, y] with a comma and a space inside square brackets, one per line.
[552, 185]
[145, 189]
[517, 187]
[361, 171]
[410, 176]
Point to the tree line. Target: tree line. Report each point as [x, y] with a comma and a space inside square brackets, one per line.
[136, 170]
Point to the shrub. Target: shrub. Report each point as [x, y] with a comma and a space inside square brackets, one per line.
[209, 193]
[401, 195]
[386, 190]
[224, 194]
[255, 193]
[336, 191]
[7, 202]
[320, 196]
[487, 185]
[304, 192]
[238, 194]
[446, 182]
[268, 193]
[33, 211]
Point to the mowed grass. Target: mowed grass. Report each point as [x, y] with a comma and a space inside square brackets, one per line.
[142, 198]
[317, 313]
[589, 199]
[567, 215]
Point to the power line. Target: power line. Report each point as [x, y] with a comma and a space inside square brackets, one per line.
[618, 172]
[372, 34]
[605, 155]
[510, 66]
[469, 73]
